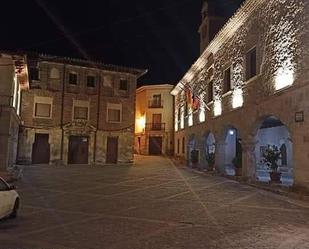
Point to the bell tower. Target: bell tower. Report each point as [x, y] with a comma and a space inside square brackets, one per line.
[212, 22]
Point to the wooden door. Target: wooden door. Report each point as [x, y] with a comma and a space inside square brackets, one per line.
[78, 150]
[155, 145]
[41, 149]
[112, 150]
[156, 121]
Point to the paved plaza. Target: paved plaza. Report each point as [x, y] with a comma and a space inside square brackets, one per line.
[151, 204]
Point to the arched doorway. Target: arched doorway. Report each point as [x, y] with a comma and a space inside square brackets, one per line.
[210, 148]
[274, 134]
[191, 146]
[232, 151]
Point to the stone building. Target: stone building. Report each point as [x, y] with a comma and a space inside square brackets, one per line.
[77, 112]
[154, 125]
[13, 79]
[249, 90]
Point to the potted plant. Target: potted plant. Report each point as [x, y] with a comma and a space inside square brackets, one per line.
[194, 158]
[237, 162]
[210, 158]
[270, 157]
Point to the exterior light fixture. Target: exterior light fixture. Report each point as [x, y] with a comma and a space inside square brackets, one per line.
[182, 119]
[238, 99]
[217, 108]
[142, 122]
[231, 132]
[284, 78]
[190, 118]
[202, 116]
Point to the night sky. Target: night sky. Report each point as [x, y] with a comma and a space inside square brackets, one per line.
[160, 35]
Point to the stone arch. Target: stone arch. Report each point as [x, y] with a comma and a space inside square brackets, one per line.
[272, 131]
[229, 147]
[209, 145]
[192, 144]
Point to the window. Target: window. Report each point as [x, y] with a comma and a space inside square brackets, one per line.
[178, 145]
[91, 81]
[114, 112]
[210, 91]
[80, 112]
[34, 73]
[42, 107]
[80, 109]
[73, 78]
[251, 70]
[227, 80]
[42, 110]
[183, 145]
[3, 186]
[113, 115]
[123, 85]
[54, 73]
[156, 101]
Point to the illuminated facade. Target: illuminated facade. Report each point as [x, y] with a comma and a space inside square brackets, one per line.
[252, 80]
[13, 79]
[154, 124]
[77, 112]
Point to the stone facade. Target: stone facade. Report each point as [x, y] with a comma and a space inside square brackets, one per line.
[154, 126]
[251, 78]
[13, 78]
[73, 107]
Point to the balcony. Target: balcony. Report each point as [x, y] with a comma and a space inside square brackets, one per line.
[155, 103]
[155, 127]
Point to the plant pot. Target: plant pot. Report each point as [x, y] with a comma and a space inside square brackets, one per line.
[275, 177]
[210, 168]
[238, 171]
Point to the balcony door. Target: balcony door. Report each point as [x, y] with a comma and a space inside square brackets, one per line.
[156, 122]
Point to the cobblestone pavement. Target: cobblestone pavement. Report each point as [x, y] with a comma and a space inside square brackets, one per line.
[151, 204]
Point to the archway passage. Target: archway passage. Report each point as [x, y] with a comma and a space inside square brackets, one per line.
[210, 149]
[273, 133]
[191, 148]
[232, 152]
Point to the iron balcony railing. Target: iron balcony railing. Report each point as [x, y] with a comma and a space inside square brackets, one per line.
[154, 103]
[155, 126]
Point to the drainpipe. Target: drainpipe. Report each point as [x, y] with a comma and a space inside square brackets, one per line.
[62, 112]
[98, 119]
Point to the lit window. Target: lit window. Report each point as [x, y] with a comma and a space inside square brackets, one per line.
[91, 81]
[73, 78]
[80, 112]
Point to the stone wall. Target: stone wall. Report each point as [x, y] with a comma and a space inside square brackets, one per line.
[61, 125]
[278, 30]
